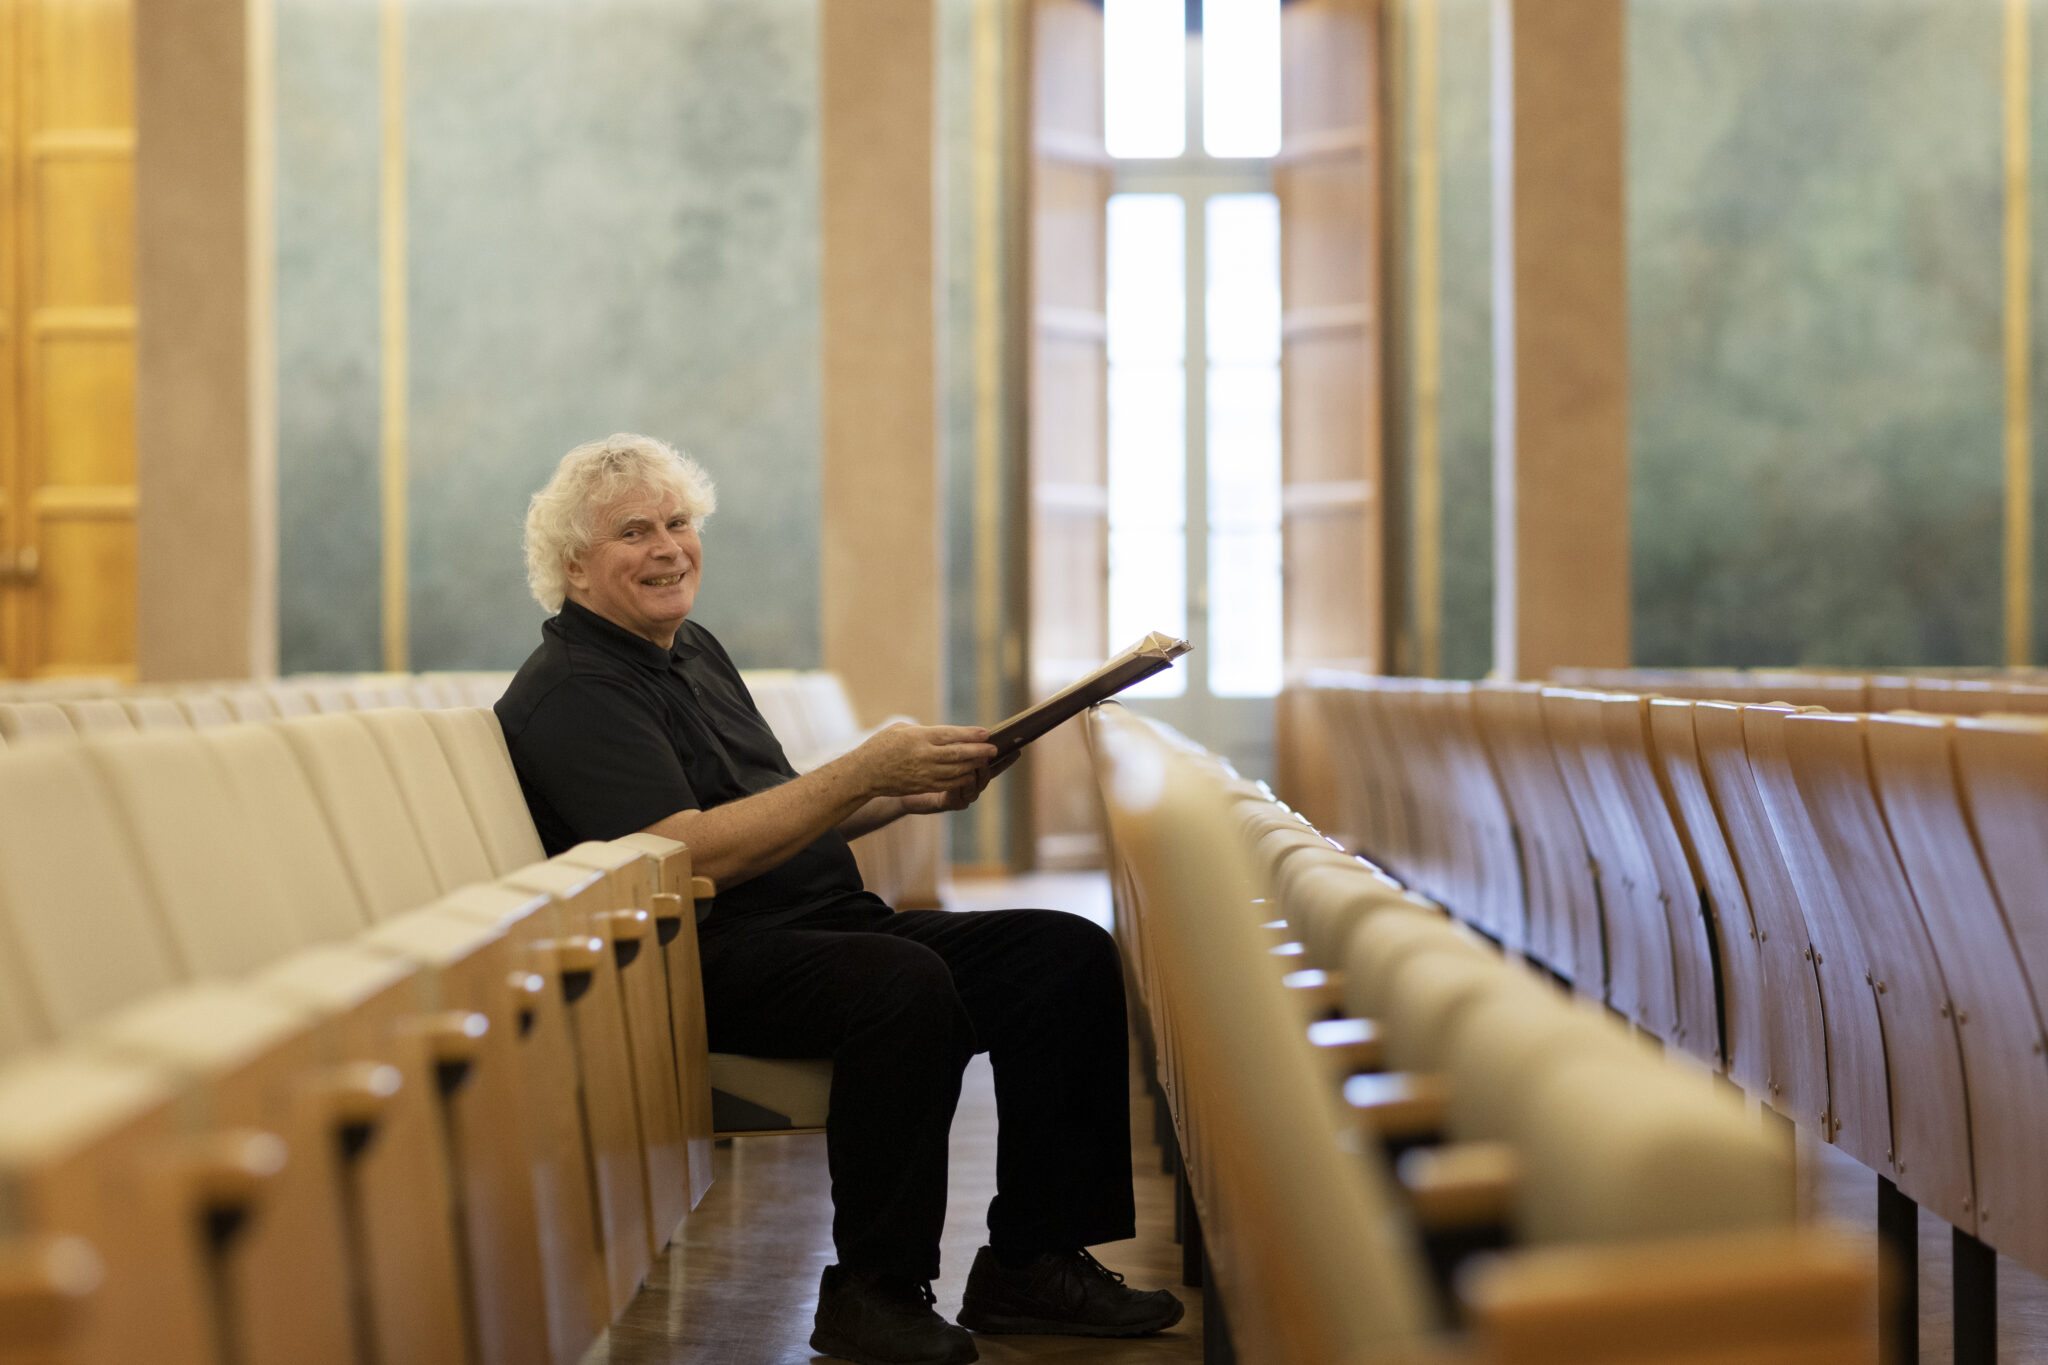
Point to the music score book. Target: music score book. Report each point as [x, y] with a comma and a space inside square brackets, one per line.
[1150, 655]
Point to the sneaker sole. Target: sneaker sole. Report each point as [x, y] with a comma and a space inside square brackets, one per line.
[826, 1345]
[998, 1324]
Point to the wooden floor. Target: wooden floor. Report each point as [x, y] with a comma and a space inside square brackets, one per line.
[739, 1285]
[1840, 1188]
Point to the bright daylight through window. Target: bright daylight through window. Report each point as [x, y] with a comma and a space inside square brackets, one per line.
[1210, 207]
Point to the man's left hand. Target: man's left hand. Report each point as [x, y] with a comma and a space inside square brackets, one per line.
[961, 797]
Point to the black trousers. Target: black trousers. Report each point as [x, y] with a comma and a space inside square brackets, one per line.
[899, 1002]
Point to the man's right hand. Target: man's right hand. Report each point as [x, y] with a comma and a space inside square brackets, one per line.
[910, 760]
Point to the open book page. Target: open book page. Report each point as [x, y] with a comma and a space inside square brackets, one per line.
[1140, 661]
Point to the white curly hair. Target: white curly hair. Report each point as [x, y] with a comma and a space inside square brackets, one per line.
[590, 478]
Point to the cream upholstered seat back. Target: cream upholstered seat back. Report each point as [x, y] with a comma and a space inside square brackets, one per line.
[204, 710]
[75, 908]
[155, 713]
[439, 812]
[25, 721]
[277, 803]
[250, 703]
[1499, 1051]
[475, 749]
[223, 895]
[1612, 1151]
[97, 716]
[1425, 998]
[1304, 1224]
[1324, 903]
[365, 809]
[1381, 943]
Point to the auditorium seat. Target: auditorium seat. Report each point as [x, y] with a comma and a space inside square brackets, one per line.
[155, 713]
[1796, 1033]
[1739, 970]
[1558, 881]
[1993, 1005]
[204, 710]
[225, 901]
[474, 747]
[97, 716]
[250, 703]
[22, 722]
[1890, 960]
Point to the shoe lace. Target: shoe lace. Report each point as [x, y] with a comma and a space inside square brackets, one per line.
[1094, 1267]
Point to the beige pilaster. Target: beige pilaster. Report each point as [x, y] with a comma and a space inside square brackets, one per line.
[1561, 535]
[205, 368]
[880, 483]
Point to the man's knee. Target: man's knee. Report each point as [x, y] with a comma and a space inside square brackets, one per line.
[894, 983]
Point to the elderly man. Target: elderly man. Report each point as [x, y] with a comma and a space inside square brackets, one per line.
[630, 717]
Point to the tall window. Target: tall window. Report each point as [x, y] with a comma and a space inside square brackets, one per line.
[1194, 337]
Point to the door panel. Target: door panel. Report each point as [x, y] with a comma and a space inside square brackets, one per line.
[67, 461]
[1328, 178]
[1069, 539]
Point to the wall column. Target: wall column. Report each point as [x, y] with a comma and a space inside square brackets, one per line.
[1561, 506]
[880, 544]
[206, 367]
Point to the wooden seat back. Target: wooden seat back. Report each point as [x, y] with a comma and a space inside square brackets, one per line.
[1891, 959]
[1796, 1038]
[1558, 879]
[1993, 1004]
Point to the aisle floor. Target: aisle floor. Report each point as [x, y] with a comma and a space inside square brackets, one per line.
[739, 1284]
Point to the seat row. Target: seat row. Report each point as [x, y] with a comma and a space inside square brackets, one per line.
[1962, 692]
[1840, 911]
[307, 1055]
[1365, 1092]
[809, 712]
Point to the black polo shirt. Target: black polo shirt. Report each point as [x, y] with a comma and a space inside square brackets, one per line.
[610, 733]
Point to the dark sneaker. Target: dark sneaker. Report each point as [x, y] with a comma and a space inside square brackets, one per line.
[1064, 1294]
[874, 1319]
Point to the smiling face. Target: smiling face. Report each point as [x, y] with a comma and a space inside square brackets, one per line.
[641, 570]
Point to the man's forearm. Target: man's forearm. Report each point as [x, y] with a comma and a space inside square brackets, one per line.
[882, 810]
[742, 839]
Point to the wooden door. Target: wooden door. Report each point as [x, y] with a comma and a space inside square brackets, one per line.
[1069, 414]
[67, 339]
[1327, 178]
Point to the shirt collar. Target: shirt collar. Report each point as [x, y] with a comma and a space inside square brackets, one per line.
[616, 639]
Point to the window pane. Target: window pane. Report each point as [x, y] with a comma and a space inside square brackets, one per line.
[1244, 613]
[1147, 255]
[1241, 77]
[1243, 309]
[1144, 73]
[1243, 278]
[1147, 278]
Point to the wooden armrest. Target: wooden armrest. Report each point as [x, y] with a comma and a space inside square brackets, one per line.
[456, 1037]
[1460, 1185]
[42, 1283]
[223, 1172]
[666, 905]
[572, 961]
[630, 926]
[702, 888]
[1806, 1294]
[1321, 993]
[1348, 1046]
[1398, 1106]
[355, 1095]
[526, 989]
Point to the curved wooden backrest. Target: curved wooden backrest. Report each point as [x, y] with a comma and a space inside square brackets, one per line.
[1859, 1104]
[475, 749]
[1745, 997]
[1675, 879]
[1995, 1009]
[2002, 766]
[1434, 858]
[1626, 920]
[1371, 762]
[223, 895]
[1557, 872]
[1499, 905]
[366, 810]
[74, 908]
[279, 809]
[1889, 954]
[1795, 1035]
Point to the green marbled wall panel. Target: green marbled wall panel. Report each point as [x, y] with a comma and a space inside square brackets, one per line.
[327, 335]
[1815, 285]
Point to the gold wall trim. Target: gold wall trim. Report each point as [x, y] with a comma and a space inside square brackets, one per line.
[2019, 417]
[393, 464]
[1427, 202]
